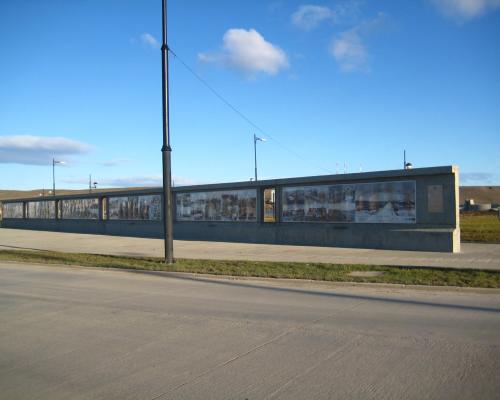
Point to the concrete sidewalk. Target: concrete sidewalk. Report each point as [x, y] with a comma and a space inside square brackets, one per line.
[477, 256]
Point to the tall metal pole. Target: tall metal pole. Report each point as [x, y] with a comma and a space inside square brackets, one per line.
[53, 177]
[255, 154]
[166, 149]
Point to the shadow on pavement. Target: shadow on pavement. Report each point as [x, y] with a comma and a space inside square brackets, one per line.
[320, 293]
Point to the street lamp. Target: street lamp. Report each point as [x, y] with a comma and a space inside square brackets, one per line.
[406, 165]
[166, 150]
[92, 185]
[54, 162]
[255, 140]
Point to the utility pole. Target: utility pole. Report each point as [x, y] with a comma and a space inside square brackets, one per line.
[90, 183]
[166, 149]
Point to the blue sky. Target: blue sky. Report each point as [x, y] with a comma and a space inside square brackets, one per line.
[334, 85]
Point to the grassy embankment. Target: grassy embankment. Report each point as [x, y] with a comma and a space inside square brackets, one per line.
[481, 227]
[312, 271]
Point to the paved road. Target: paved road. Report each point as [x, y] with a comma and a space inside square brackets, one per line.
[483, 256]
[76, 333]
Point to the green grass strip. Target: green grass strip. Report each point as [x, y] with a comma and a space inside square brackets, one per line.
[480, 227]
[290, 270]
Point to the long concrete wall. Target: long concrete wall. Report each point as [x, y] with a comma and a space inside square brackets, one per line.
[436, 227]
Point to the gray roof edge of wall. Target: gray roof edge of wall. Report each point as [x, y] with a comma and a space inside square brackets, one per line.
[340, 178]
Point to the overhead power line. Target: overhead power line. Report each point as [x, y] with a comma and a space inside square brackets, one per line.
[241, 114]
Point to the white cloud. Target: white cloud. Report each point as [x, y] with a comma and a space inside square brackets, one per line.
[464, 10]
[348, 48]
[150, 40]
[38, 150]
[350, 52]
[309, 16]
[248, 51]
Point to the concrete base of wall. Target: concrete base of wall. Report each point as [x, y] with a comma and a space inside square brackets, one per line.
[369, 236]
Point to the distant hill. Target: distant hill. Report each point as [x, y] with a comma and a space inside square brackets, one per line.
[480, 194]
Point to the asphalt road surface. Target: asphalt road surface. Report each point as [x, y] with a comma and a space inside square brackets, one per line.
[82, 333]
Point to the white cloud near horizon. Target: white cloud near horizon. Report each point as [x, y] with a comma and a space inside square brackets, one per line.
[115, 162]
[38, 150]
[134, 181]
[247, 51]
[465, 10]
[150, 40]
[349, 49]
[477, 177]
